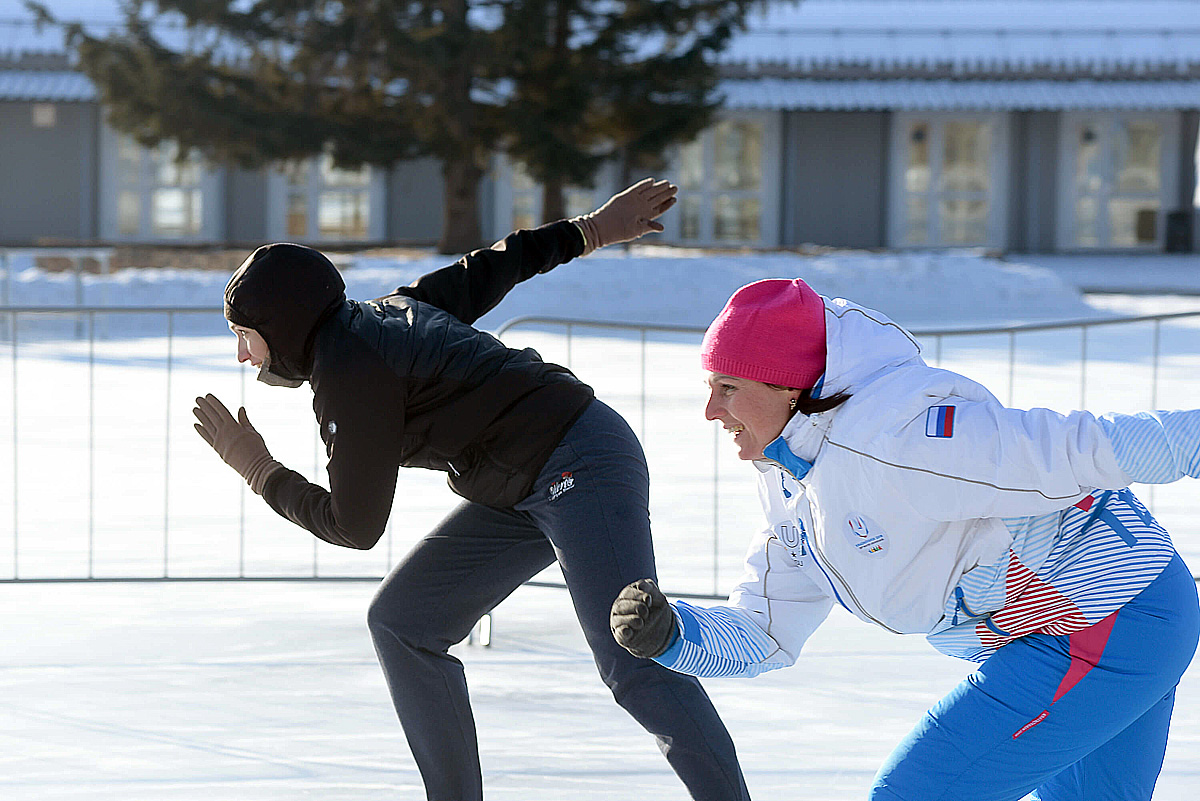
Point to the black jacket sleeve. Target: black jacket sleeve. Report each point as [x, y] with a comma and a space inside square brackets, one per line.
[472, 286]
[361, 417]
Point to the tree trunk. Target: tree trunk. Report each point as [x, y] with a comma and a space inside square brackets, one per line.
[460, 211]
[626, 169]
[461, 173]
[554, 204]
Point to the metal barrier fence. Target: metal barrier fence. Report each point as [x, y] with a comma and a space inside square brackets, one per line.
[148, 362]
[936, 335]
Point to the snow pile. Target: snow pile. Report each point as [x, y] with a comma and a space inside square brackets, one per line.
[646, 284]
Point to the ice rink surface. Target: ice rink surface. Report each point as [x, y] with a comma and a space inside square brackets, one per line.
[266, 692]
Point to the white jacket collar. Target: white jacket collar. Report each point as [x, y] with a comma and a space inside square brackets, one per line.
[860, 343]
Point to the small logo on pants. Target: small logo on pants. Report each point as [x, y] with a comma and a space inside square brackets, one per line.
[557, 488]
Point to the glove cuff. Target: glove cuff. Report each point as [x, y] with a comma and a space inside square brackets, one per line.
[259, 471]
[591, 235]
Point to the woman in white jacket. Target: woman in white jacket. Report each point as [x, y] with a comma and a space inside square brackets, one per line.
[913, 498]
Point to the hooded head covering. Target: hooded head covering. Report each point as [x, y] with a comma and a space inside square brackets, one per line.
[771, 331]
[284, 292]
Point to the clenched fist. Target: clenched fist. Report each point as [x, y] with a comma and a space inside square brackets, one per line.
[641, 619]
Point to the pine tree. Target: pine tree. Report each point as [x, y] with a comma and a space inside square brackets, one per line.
[562, 85]
[369, 81]
[594, 80]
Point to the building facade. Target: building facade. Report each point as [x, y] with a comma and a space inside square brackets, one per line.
[1026, 126]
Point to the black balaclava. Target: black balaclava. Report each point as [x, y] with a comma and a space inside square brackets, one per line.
[284, 292]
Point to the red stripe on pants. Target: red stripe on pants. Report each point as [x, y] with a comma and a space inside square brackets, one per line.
[1087, 647]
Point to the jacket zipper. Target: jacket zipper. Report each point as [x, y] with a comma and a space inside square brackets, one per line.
[816, 551]
[845, 584]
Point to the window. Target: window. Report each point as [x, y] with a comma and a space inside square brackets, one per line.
[519, 197]
[156, 195]
[176, 208]
[45, 115]
[725, 196]
[948, 180]
[1115, 181]
[315, 201]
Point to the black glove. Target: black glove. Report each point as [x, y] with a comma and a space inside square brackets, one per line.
[641, 619]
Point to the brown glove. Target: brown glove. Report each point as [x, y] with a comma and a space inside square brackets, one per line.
[235, 441]
[627, 215]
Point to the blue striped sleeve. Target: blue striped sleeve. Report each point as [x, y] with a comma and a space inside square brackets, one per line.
[1156, 447]
[720, 641]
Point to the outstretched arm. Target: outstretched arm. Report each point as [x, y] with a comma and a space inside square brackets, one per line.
[1156, 447]
[476, 283]
[999, 462]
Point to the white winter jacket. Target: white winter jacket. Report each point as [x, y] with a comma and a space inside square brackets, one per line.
[887, 502]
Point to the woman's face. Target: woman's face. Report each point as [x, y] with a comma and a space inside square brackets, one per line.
[754, 412]
[251, 346]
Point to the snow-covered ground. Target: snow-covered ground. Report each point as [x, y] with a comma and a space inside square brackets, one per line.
[641, 284]
[270, 690]
[1164, 274]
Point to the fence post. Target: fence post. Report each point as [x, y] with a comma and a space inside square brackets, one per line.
[316, 566]
[1150, 488]
[16, 461]
[91, 442]
[77, 262]
[242, 501]
[643, 385]
[1083, 347]
[167, 450]
[6, 287]
[1154, 365]
[716, 493]
[1012, 362]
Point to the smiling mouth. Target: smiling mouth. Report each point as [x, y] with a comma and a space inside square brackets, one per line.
[735, 430]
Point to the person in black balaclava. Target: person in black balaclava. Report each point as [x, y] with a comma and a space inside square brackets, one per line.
[546, 471]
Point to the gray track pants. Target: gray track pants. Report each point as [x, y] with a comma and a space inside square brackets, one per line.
[588, 511]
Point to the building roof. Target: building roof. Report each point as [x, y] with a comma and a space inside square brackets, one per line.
[949, 95]
[865, 54]
[907, 38]
[60, 86]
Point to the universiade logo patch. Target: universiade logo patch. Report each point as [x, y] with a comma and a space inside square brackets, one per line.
[865, 536]
[557, 488]
[792, 539]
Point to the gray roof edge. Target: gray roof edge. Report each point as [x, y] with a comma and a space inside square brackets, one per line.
[1033, 95]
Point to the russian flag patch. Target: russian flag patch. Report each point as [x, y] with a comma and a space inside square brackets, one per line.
[939, 422]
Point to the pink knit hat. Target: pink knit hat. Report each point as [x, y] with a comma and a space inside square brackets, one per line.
[771, 331]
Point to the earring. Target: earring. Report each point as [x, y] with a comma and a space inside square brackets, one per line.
[792, 403]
